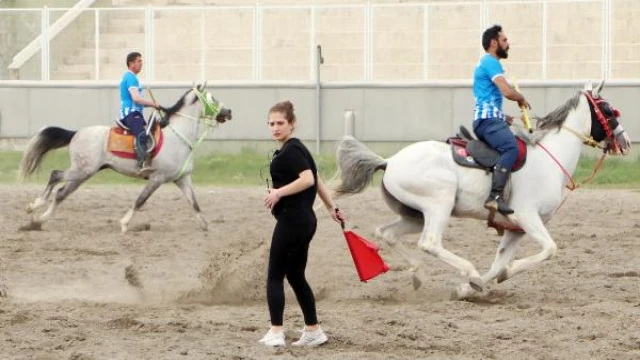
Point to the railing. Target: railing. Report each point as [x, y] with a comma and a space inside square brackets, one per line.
[550, 39]
[41, 43]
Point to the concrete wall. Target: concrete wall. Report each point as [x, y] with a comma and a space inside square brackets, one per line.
[391, 114]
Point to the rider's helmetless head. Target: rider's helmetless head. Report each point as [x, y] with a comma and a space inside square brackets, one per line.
[495, 42]
[134, 62]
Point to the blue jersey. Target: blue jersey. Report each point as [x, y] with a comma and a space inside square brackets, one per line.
[127, 105]
[487, 95]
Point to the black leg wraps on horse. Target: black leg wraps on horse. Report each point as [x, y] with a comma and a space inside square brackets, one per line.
[495, 201]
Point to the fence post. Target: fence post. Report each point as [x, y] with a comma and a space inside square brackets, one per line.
[349, 122]
[425, 42]
[148, 39]
[44, 46]
[257, 42]
[544, 40]
[319, 61]
[203, 51]
[97, 42]
[312, 41]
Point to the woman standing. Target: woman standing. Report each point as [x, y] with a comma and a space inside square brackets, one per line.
[295, 184]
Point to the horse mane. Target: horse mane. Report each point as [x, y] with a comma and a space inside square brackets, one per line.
[169, 112]
[178, 105]
[552, 121]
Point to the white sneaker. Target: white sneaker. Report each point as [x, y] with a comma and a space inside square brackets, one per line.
[273, 339]
[311, 338]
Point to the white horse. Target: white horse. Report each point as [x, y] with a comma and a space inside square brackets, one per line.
[424, 185]
[89, 154]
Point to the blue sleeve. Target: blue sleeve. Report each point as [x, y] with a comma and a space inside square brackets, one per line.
[492, 67]
[131, 81]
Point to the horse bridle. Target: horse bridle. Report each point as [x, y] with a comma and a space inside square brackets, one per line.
[604, 114]
[207, 116]
[210, 111]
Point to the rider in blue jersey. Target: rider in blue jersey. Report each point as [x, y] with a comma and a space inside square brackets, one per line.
[132, 104]
[490, 124]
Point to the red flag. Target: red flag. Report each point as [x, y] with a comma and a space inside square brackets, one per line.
[365, 256]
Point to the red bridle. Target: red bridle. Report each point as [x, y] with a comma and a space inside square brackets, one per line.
[612, 143]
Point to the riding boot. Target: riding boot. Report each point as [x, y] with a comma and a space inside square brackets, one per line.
[495, 201]
[141, 149]
[163, 122]
[141, 155]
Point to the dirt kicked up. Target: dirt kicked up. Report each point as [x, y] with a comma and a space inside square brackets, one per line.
[79, 289]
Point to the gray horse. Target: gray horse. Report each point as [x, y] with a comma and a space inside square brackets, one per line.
[88, 153]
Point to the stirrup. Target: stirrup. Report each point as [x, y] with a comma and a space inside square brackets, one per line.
[145, 172]
[493, 205]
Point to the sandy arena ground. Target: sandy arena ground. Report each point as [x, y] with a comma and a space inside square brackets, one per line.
[80, 290]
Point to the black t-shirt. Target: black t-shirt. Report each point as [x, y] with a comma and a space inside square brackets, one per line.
[286, 166]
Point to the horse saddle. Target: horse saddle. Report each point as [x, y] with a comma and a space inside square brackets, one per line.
[122, 144]
[470, 152]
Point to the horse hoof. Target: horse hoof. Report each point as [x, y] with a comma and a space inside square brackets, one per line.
[32, 226]
[133, 276]
[503, 276]
[417, 283]
[476, 283]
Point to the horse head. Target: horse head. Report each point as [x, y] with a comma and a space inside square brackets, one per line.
[211, 108]
[605, 122]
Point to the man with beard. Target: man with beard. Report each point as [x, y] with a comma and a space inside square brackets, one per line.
[490, 124]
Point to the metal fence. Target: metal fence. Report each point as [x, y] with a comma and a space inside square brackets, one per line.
[550, 39]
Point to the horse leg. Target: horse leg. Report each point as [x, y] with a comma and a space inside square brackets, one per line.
[148, 190]
[431, 242]
[504, 255]
[534, 227]
[76, 179]
[392, 231]
[55, 177]
[185, 184]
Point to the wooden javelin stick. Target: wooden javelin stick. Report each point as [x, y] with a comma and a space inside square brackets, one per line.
[525, 113]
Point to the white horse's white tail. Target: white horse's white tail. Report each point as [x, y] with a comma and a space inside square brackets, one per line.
[47, 139]
[357, 165]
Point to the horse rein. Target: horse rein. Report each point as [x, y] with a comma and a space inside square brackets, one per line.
[586, 140]
[572, 183]
[589, 141]
[206, 116]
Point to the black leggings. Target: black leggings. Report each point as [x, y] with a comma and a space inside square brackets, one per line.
[288, 257]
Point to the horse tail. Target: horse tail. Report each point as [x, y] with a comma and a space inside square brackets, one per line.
[45, 140]
[357, 164]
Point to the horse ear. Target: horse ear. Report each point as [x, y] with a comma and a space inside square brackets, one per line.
[588, 86]
[596, 92]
